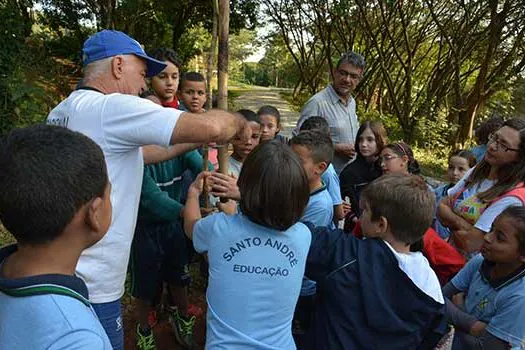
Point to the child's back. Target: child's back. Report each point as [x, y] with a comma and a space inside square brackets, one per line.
[375, 293]
[256, 257]
[47, 312]
[255, 275]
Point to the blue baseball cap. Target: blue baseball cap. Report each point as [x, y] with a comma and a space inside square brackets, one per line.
[109, 43]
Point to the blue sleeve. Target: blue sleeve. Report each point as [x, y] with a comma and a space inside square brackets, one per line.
[318, 215]
[81, 340]
[322, 250]
[508, 324]
[332, 185]
[203, 232]
[462, 280]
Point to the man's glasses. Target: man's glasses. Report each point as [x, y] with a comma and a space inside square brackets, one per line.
[345, 74]
[494, 138]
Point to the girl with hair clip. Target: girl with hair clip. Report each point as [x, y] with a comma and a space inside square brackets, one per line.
[444, 260]
[494, 184]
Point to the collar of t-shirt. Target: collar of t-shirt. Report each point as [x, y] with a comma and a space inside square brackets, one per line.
[71, 286]
[499, 283]
[173, 104]
[319, 190]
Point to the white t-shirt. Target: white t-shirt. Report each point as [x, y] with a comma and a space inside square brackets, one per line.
[484, 222]
[120, 125]
[417, 268]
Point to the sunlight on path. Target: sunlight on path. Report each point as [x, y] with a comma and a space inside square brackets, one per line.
[258, 97]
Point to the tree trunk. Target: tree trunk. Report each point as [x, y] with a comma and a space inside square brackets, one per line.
[211, 57]
[224, 26]
[222, 100]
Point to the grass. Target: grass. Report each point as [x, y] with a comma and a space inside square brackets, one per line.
[433, 164]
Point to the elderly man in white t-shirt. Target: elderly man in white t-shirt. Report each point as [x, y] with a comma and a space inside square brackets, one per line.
[107, 109]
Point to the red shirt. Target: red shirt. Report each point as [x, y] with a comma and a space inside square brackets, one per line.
[173, 104]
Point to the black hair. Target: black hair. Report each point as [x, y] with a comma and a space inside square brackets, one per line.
[164, 54]
[47, 173]
[405, 201]
[191, 76]
[318, 143]
[315, 123]
[352, 58]
[270, 110]
[402, 149]
[517, 213]
[250, 115]
[487, 127]
[465, 154]
[271, 172]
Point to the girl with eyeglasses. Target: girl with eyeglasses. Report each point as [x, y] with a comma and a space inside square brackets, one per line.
[494, 184]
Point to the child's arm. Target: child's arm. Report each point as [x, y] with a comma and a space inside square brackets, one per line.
[156, 154]
[457, 316]
[192, 210]
[157, 203]
[450, 219]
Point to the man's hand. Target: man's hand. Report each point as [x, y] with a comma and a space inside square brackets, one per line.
[346, 149]
[223, 186]
[459, 300]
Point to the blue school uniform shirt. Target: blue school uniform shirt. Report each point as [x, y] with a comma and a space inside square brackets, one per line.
[500, 304]
[320, 212]
[330, 178]
[47, 312]
[255, 275]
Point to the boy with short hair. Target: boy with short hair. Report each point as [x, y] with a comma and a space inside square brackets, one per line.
[329, 176]
[166, 83]
[192, 92]
[315, 149]
[242, 148]
[375, 293]
[55, 200]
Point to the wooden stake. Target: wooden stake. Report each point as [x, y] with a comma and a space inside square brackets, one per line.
[205, 168]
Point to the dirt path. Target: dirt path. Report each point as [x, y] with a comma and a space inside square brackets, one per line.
[258, 96]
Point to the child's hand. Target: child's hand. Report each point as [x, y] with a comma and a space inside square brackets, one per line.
[223, 186]
[459, 300]
[197, 186]
[346, 208]
[207, 211]
[228, 208]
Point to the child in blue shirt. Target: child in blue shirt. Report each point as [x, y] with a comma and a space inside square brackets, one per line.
[257, 256]
[55, 200]
[315, 149]
[459, 163]
[329, 176]
[486, 299]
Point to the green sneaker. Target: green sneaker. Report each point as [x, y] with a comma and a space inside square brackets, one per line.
[145, 342]
[183, 329]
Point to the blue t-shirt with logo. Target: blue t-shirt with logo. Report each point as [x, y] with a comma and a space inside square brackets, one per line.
[255, 275]
[501, 305]
[330, 178]
[47, 312]
[320, 212]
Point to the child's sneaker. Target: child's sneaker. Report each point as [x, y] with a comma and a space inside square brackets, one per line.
[183, 328]
[145, 342]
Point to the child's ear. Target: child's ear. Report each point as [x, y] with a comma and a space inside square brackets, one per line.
[382, 224]
[322, 167]
[95, 218]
